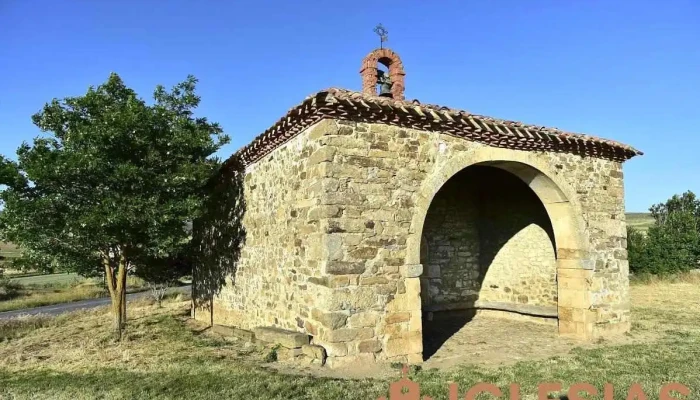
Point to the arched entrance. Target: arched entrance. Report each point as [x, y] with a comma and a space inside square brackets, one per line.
[494, 231]
[487, 244]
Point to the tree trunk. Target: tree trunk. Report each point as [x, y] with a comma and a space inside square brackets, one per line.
[117, 292]
[194, 292]
[123, 305]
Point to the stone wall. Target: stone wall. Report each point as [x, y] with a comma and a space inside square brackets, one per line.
[334, 224]
[451, 276]
[517, 246]
[381, 172]
[280, 255]
[598, 187]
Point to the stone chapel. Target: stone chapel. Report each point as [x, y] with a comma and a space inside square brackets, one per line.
[367, 216]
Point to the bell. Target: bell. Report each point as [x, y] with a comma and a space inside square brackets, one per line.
[385, 90]
[385, 84]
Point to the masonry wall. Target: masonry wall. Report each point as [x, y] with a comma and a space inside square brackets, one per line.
[374, 173]
[517, 247]
[279, 258]
[452, 275]
[329, 215]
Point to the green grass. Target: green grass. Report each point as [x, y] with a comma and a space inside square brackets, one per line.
[167, 356]
[48, 280]
[639, 221]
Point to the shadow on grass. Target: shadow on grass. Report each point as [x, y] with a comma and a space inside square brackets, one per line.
[199, 377]
[180, 383]
[199, 370]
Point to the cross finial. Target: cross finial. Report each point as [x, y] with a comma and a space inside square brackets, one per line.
[383, 34]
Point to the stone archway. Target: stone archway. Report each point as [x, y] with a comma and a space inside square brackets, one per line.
[573, 265]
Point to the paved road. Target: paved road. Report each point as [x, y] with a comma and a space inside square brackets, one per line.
[79, 305]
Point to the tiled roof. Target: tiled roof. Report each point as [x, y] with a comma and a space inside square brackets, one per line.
[343, 104]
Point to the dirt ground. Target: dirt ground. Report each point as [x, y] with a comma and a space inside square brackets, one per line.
[492, 341]
[483, 340]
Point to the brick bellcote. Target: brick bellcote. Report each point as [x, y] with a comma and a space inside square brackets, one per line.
[390, 60]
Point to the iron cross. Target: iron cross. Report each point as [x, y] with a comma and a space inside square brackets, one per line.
[383, 35]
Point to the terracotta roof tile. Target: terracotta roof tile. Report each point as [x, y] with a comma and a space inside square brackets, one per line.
[344, 104]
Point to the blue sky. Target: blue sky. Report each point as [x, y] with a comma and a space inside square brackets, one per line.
[623, 70]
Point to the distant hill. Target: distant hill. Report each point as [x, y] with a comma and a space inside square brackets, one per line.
[640, 221]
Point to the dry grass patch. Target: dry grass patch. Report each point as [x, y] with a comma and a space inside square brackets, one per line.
[165, 355]
[46, 292]
[34, 298]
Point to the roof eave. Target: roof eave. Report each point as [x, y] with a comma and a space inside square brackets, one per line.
[311, 110]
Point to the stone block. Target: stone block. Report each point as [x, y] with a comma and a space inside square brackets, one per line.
[576, 330]
[352, 239]
[336, 349]
[311, 328]
[345, 267]
[572, 273]
[314, 352]
[392, 329]
[416, 321]
[321, 281]
[323, 211]
[323, 128]
[388, 289]
[351, 298]
[411, 271]
[373, 280]
[403, 344]
[572, 254]
[567, 283]
[331, 320]
[234, 332]
[334, 247]
[363, 253]
[369, 346]
[283, 337]
[324, 153]
[338, 281]
[363, 320]
[348, 334]
[574, 298]
[398, 317]
[394, 262]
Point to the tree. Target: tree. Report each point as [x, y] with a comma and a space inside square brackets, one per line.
[636, 244]
[672, 244]
[113, 182]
